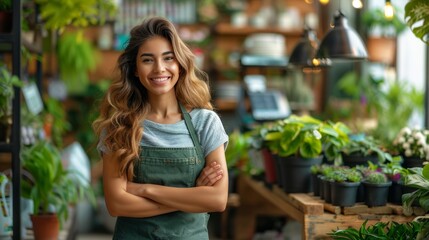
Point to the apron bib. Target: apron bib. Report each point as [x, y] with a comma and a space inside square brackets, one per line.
[175, 167]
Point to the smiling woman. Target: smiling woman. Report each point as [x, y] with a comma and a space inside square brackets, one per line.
[160, 183]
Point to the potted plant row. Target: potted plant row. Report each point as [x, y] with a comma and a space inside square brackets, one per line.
[300, 142]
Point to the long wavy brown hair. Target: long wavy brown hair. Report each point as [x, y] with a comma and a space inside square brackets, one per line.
[125, 104]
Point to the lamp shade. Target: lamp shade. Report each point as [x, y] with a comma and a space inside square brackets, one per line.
[304, 52]
[342, 42]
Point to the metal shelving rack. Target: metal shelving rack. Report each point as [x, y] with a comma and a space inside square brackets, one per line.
[12, 41]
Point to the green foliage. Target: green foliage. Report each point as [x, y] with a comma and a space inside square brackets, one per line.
[394, 109]
[57, 14]
[7, 84]
[5, 5]
[376, 177]
[374, 18]
[306, 136]
[419, 179]
[237, 149]
[366, 146]
[417, 18]
[50, 184]
[346, 175]
[55, 113]
[381, 230]
[76, 56]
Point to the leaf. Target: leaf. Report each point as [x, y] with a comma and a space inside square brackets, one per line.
[417, 18]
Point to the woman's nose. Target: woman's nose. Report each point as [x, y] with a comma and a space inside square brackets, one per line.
[159, 67]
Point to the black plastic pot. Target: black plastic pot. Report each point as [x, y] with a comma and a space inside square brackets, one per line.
[376, 193]
[296, 172]
[343, 194]
[354, 160]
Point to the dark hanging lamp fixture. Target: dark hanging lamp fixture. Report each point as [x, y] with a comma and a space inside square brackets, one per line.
[304, 52]
[341, 43]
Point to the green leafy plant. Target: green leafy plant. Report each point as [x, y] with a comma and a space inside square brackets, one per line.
[7, 84]
[375, 20]
[57, 14]
[50, 184]
[237, 149]
[307, 137]
[366, 145]
[417, 18]
[381, 230]
[419, 179]
[76, 57]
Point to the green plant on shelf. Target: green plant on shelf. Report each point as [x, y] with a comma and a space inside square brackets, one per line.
[346, 175]
[375, 177]
[7, 84]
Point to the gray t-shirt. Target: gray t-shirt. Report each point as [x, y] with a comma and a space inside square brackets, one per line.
[207, 124]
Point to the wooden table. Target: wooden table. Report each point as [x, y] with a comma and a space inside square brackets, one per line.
[318, 218]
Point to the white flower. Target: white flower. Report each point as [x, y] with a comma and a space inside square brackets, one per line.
[405, 145]
[408, 153]
[411, 140]
[405, 130]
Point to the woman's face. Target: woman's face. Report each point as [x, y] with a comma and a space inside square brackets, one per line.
[157, 66]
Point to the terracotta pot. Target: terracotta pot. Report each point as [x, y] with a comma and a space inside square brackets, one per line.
[382, 49]
[45, 227]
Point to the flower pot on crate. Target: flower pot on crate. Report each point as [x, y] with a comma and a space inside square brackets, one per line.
[269, 166]
[395, 193]
[327, 190]
[376, 193]
[410, 162]
[278, 166]
[297, 174]
[354, 160]
[343, 194]
[315, 184]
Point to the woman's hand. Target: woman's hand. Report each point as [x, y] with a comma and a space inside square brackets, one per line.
[210, 175]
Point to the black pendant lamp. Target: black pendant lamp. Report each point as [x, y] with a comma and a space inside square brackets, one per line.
[341, 43]
[304, 52]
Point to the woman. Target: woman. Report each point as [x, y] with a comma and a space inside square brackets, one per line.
[161, 143]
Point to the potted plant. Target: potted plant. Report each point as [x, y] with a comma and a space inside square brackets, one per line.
[382, 33]
[362, 149]
[51, 187]
[376, 185]
[344, 186]
[237, 149]
[7, 84]
[393, 171]
[5, 16]
[413, 146]
[299, 142]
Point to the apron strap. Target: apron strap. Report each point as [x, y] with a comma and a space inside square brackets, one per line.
[191, 130]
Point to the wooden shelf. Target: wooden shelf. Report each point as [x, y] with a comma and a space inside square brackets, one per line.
[317, 217]
[227, 29]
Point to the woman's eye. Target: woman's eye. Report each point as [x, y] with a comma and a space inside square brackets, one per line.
[147, 60]
[169, 58]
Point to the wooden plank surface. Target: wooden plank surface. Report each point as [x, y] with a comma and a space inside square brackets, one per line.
[302, 201]
[319, 226]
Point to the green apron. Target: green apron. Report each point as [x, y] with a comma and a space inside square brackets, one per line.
[175, 167]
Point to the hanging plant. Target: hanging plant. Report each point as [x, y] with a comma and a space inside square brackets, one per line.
[76, 56]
